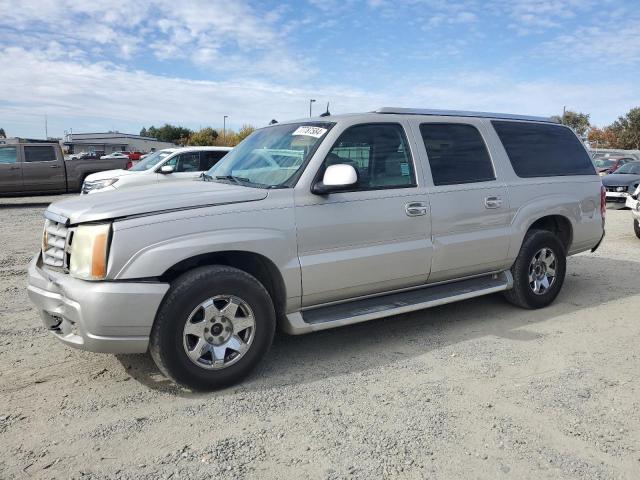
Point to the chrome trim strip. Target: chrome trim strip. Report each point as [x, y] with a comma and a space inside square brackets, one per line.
[56, 218]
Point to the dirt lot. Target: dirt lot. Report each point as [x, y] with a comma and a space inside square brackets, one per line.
[478, 389]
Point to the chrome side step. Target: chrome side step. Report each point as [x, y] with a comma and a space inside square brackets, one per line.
[332, 316]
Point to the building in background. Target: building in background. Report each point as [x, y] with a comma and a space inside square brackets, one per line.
[112, 142]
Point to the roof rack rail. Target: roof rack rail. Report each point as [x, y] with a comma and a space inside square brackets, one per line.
[462, 113]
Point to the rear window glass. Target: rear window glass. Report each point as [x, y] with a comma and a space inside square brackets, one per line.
[457, 154]
[39, 154]
[542, 150]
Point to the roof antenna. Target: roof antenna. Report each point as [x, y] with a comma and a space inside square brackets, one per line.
[326, 114]
[273, 121]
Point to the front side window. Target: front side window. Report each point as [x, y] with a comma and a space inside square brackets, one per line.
[543, 150]
[632, 168]
[185, 162]
[457, 154]
[8, 155]
[39, 154]
[270, 157]
[378, 152]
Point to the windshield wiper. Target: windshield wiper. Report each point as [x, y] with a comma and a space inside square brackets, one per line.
[236, 180]
[205, 177]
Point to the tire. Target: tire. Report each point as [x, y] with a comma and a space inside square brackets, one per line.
[196, 303]
[536, 245]
[636, 227]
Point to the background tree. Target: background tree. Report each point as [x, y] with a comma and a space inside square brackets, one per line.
[204, 136]
[578, 121]
[244, 132]
[2, 134]
[603, 138]
[627, 130]
[168, 133]
[143, 132]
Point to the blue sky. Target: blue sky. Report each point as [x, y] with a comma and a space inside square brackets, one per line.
[115, 64]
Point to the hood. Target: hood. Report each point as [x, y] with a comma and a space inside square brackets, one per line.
[110, 174]
[619, 179]
[150, 199]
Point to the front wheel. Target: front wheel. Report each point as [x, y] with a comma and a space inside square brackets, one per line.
[212, 329]
[539, 270]
[636, 227]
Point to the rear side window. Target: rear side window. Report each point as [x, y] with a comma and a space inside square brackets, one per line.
[8, 155]
[209, 158]
[457, 154]
[39, 154]
[542, 150]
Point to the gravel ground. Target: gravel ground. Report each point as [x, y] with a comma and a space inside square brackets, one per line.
[478, 389]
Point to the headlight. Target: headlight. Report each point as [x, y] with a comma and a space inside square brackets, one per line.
[98, 184]
[89, 250]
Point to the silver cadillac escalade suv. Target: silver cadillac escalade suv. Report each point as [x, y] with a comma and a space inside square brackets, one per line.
[315, 224]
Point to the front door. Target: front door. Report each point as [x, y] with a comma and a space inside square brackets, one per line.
[185, 166]
[470, 207]
[373, 238]
[42, 170]
[10, 170]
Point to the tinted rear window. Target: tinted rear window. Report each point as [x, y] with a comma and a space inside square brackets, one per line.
[541, 150]
[39, 154]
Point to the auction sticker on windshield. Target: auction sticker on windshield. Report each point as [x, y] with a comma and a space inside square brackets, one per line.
[309, 131]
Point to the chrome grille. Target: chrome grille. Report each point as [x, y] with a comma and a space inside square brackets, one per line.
[54, 244]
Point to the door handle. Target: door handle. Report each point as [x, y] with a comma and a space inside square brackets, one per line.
[415, 209]
[54, 166]
[14, 168]
[492, 202]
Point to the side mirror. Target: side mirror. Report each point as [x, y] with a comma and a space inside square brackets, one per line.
[336, 178]
[166, 169]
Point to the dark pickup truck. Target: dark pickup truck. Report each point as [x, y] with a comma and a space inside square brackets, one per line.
[28, 166]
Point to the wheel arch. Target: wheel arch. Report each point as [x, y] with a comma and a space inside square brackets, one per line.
[557, 224]
[255, 264]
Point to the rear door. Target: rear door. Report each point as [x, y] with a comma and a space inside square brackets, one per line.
[469, 204]
[42, 169]
[10, 170]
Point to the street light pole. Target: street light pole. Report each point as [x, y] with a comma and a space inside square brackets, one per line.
[310, 104]
[224, 128]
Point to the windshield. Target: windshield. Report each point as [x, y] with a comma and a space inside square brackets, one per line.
[632, 168]
[151, 161]
[270, 157]
[602, 163]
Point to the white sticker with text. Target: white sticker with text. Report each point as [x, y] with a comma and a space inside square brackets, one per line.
[316, 132]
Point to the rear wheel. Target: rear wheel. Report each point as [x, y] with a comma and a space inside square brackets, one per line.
[539, 270]
[636, 227]
[214, 326]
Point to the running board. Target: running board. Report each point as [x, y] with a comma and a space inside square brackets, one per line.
[357, 311]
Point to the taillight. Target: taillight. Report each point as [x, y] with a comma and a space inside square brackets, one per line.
[603, 201]
[129, 164]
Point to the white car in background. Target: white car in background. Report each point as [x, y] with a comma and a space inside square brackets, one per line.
[115, 155]
[171, 164]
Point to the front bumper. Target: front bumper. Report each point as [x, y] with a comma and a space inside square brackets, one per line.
[108, 317]
[618, 197]
[634, 205]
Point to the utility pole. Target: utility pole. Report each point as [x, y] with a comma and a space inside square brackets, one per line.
[46, 130]
[224, 129]
[310, 105]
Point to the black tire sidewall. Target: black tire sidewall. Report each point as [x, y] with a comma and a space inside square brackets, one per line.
[636, 227]
[188, 292]
[534, 242]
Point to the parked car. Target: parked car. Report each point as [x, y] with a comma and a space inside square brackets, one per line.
[135, 156]
[605, 166]
[116, 155]
[622, 183]
[39, 167]
[166, 165]
[318, 224]
[633, 202]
